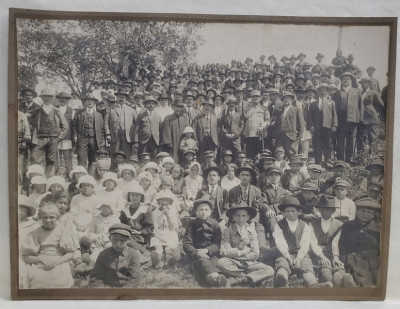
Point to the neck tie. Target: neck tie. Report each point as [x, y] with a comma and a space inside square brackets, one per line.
[244, 194]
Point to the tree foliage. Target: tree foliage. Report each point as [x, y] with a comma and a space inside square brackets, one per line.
[77, 52]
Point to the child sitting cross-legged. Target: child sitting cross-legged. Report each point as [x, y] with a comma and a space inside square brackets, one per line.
[201, 242]
[308, 197]
[240, 249]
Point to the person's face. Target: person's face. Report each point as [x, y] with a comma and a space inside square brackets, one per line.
[277, 79]
[209, 159]
[178, 109]
[119, 242]
[55, 188]
[195, 170]
[152, 171]
[127, 175]
[121, 99]
[274, 97]
[308, 195]
[265, 96]
[28, 96]
[218, 101]
[176, 172]
[47, 99]
[339, 53]
[326, 213]
[279, 155]
[167, 186]
[135, 198]
[150, 106]
[164, 102]
[310, 95]
[228, 159]
[119, 159]
[208, 108]
[101, 171]
[104, 96]
[370, 72]
[255, 99]
[110, 184]
[239, 96]
[49, 220]
[295, 167]
[339, 171]
[364, 85]
[340, 192]
[86, 188]
[323, 92]
[346, 81]
[168, 165]
[240, 159]
[164, 202]
[245, 177]
[22, 213]
[376, 171]
[102, 157]
[203, 212]
[231, 106]
[189, 102]
[89, 103]
[145, 183]
[375, 195]
[63, 101]
[105, 210]
[241, 217]
[231, 172]
[62, 204]
[189, 157]
[331, 91]
[290, 89]
[274, 178]
[291, 213]
[365, 214]
[314, 174]
[139, 101]
[213, 178]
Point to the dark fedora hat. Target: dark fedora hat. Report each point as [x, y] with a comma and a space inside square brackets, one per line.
[210, 169]
[241, 206]
[290, 201]
[375, 163]
[326, 201]
[202, 201]
[247, 168]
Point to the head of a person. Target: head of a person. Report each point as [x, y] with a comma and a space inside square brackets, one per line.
[127, 174]
[314, 174]
[49, 215]
[164, 202]
[119, 159]
[176, 171]
[287, 100]
[105, 210]
[228, 158]
[292, 213]
[374, 193]
[241, 217]
[86, 188]
[61, 199]
[145, 182]
[188, 156]
[346, 81]
[323, 92]
[365, 84]
[339, 53]
[189, 100]
[194, 170]
[274, 177]
[208, 107]
[295, 166]
[89, 103]
[150, 105]
[121, 99]
[213, 177]
[163, 101]
[231, 171]
[245, 177]
[341, 190]
[255, 98]
[326, 212]
[209, 157]
[119, 236]
[63, 100]
[28, 96]
[308, 194]
[203, 210]
[168, 165]
[280, 154]
[135, 197]
[339, 170]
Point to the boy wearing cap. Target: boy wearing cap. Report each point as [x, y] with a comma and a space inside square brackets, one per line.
[201, 242]
[346, 209]
[293, 178]
[292, 238]
[340, 169]
[359, 242]
[308, 198]
[227, 159]
[209, 158]
[240, 250]
[315, 172]
[375, 169]
[119, 265]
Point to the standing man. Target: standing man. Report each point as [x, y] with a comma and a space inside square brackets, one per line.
[190, 112]
[163, 109]
[374, 82]
[49, 127]
[292, 125]
[88, 131]
[350, 112]
[324, 122]
[172, 129]
[28, 106]
[121, 122]
[146, 131]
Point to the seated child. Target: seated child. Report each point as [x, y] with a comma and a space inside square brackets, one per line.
[145, 180]
[128, 174]
[188, 140]
[240, 250]
[38, 191]
[101, 167]
[323, 231]
[119, 265]
[165, 243]
[315, 172]
[33, 170]
[193, 183]
[177, 176]
[137, 215]
[292, 238]
[55, 184]
[359, 243]
[109, 194]
[209, 160]
[308, 198]
[160, 157]
[293, 178]
[119, 158]
[375, 169]
[48, 250]
[227, 158]
[100, 155]
[154, 170]
[346, 209]
[188, 157]
[167, 165]
[201, 243]
[280, 159]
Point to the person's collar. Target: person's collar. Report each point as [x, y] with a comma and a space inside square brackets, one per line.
[246, 187]
[346, 88]
[243, 228]
[292, 223]
[326, 221]
[28, 104]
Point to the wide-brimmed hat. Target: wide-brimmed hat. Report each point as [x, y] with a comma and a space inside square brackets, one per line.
[241, 206]
[150, 99]
[89, 96]
[26, 89]
[247, 168]
[63, 94]
[134, 187]
[287, 94]
[25, 201]
[167, 159]
[77, 169]
[322, 86]
[86, 179]
[319, 55]
[202, 201]
[375, 163]
[210, 169]
[119, 153]
[165, 194]
[309, 186]
[103, 164]
[152, 165]
[290, 201]
[56, 180]
[39, 180]
[35, 168]
[47, 92]
[326, 201]
[300, 55]
[109, 176]
[295, 160]
[145, 175]
[375, 185]
[368, 203]
[190, 94]
[127, 167]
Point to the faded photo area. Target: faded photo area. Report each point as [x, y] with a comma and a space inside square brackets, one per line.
[200, 155]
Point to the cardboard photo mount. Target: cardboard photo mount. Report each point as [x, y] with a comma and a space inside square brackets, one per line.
[359, 293]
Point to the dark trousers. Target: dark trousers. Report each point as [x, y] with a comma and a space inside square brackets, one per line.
[45, 153]
[203, 267]
[291, 147]
[150, 147]
[65, 159]
[207, 144]
[366, 134]
[232, 145]
[121, 144]
[253, 147]
[86, 148]
[346, 138]
[322, 143]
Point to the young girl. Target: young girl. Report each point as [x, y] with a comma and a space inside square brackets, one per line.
[48, 251]
[138, 216]
[154, 170]
[177, 176]
[101, 167]
[166, 230]
[109, 193]
[33, 170]
[188, 140]
[128, 174]
[280, 159]
[38, 191]
[230, 180]
[76, 173]
[193, 183]
[166, 166]
[83, 205]
[55, 184]
[62, 201]
[145, 180]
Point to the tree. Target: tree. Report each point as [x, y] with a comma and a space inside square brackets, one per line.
[77, 52]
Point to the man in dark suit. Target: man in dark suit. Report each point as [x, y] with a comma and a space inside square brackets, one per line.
[88, 131]
[374, 82]
[206, 128]
[231, 128]
[49, 127]
[146, 131]
[28, 106]
[324, 122]
[292, 127]
[350, 112]
[190, 113]
[216, 194]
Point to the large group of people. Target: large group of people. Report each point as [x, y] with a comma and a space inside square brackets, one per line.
[241, 169]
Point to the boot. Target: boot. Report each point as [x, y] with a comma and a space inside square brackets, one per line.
[348, 281]
[234, 281]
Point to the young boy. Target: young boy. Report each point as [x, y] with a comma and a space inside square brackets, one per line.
[227, 158]
[346, 210]
[315, 172]
[280, 159]
[240, 249]
[119, 265]
[201, 242]
[359, 242]
[293, 178]
[308, 197]
[209, 157]
[292, 238]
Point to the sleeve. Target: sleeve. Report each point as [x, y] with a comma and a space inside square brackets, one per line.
[304, 242]
[226, 249]
[31, 245]
[96, 279]
[27, 130]
[213, 249]
[254, 246]
[135, 131]
[314, 243]
[106, 122]
[63, 126]
[280, 241]
[352, 210]
[135, 270]
[335, 244]
[69, 241]
[148, 225]
[300, 123]
[187, 242]
[334, 116]
[166, 138]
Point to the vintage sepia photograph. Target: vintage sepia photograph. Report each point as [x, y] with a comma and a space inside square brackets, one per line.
[188, 154]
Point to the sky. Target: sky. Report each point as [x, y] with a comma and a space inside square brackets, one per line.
[224, 42]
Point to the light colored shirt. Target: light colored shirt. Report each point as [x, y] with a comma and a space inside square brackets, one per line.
[228, 184]
[346, 208]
